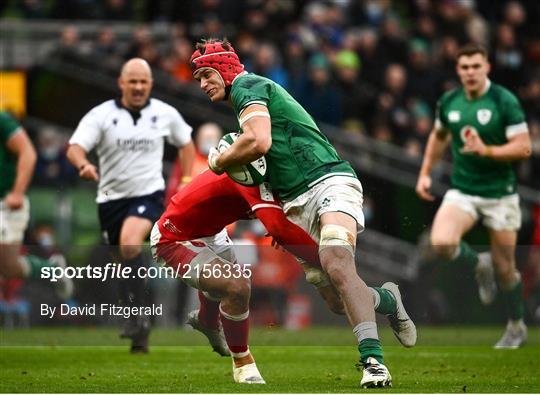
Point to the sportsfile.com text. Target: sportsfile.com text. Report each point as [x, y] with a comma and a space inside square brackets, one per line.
[119, 271]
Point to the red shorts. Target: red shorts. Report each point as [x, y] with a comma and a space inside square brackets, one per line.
[186, 257]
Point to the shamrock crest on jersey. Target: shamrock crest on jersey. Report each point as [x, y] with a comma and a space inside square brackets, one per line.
[483, 115]
[496, 116]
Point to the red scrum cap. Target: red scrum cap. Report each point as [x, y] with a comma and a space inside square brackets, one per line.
[218, 56]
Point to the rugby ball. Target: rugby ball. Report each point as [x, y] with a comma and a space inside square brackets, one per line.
[248, 175]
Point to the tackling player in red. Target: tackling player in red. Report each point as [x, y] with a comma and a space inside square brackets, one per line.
[191, 237]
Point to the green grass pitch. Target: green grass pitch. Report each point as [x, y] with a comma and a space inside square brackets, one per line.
[319, 360]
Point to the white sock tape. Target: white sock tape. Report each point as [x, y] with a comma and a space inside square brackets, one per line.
[239, 317]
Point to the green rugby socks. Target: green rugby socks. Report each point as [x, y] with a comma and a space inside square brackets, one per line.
[466, 254]
[369, 344]
[371, 348]
[385, 302]
[513, 300]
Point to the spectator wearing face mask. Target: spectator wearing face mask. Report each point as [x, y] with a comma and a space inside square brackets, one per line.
[205, 137]
[52, 166]
[43, 241]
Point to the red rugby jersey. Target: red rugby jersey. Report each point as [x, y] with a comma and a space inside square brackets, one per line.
[208, 204]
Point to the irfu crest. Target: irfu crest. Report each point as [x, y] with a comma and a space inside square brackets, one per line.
[483, 115]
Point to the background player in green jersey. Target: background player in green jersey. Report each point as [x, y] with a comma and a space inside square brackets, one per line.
[319, 190]
[17, 160]
[486, 127]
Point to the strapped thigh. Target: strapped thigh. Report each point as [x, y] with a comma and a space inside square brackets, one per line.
[336, 235]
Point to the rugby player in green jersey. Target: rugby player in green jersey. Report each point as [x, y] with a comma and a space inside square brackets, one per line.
[319, 191]
[486, 127]
[17, 160]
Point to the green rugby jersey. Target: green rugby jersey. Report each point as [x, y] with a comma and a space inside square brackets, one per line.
[300, 155]
[8, 161]
[496, 116]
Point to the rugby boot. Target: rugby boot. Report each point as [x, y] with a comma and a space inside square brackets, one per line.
[375, 375]
[402, 325]
[215, 337]
[247, 374]
[514, 336]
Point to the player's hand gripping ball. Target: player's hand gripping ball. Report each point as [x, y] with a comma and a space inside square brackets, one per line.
[212, 159]
[248, 175]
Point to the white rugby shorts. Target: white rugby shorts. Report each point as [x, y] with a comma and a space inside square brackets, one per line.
[334, 194]
[13, 223]
[496, 213]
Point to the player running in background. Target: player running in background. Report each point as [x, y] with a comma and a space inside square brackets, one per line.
[191, 233]
[128, 134]
[486, 127]
[17, 160]
[319, 190]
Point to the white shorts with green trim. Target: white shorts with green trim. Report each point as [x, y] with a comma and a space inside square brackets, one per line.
[496, 213]
[333, 194]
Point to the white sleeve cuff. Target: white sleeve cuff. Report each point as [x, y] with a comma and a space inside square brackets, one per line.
[262, 103]
[253, 114]
[514, 130]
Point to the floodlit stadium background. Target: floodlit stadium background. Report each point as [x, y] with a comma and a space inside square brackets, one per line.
[368, 71]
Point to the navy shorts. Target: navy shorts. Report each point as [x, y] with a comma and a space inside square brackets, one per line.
[113, 214]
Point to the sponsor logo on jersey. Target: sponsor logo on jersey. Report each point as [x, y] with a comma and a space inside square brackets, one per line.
[467, 131]
[484, 116]
[167, 224]
[266, 192]
[454, 116]
[134, 144]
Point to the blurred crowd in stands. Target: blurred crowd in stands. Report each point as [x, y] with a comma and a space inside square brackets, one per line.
[367, 66]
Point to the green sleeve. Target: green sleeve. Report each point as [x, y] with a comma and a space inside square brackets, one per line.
[439, 114]
[512, 111]
[250, 91]
[8, 126]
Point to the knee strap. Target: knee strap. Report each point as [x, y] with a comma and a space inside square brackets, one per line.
[337, 235]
